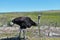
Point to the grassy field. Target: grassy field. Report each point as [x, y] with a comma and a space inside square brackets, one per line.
[29, 35]
[47, 18]
[45, 38]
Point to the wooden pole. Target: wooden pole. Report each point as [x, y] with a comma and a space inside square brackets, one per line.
[55, 24]
[39, 23]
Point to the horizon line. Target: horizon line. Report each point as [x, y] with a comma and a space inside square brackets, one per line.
[27, 11]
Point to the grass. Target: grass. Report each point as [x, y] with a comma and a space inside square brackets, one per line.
[45, 39]
[47, 18]
[50, 19]
[8, 35]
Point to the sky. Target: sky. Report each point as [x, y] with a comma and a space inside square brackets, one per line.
[28, 5]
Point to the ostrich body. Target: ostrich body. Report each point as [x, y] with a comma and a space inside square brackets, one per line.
[24, 22]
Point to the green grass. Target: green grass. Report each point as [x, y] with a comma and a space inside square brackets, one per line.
[46, 17]
[8, 35]
[45, 38]
[50, 19]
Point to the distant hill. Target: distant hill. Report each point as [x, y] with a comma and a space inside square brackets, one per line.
[48, 11]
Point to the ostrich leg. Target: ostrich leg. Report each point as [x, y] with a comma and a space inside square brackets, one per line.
[19, 33]
[22, 34]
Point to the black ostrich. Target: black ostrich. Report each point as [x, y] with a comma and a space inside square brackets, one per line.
[24, 22]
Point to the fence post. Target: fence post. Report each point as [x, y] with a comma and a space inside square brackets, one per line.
[55, 24]
[39, 23]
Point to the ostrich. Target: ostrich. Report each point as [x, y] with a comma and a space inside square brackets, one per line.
[23, 22]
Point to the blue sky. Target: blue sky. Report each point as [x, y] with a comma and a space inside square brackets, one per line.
[28, 5]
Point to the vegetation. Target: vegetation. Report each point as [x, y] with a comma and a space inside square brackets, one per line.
[45, 38]
[47, 17]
